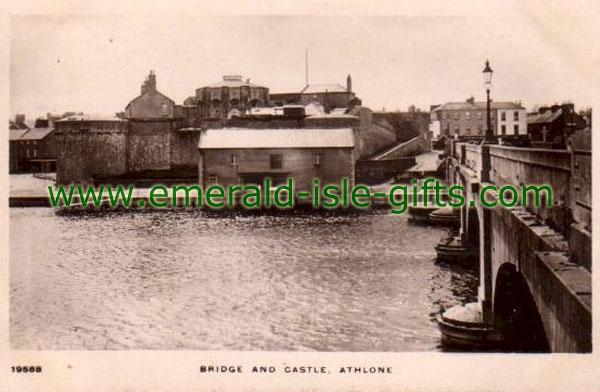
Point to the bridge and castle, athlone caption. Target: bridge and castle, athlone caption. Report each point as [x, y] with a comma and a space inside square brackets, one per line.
[470, 277]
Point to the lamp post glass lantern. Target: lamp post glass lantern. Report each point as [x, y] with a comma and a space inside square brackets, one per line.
[487, 77]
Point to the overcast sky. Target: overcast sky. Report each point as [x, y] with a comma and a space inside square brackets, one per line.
[96, 64]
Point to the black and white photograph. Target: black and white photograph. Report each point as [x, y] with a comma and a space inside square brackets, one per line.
[309, 183]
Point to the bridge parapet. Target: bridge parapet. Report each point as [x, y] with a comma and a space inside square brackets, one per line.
[546, 247]
[527, 166]
[473, 158]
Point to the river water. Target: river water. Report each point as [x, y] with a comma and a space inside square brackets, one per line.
[184, 280]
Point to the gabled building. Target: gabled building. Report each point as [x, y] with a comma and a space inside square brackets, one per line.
[330, 96]
[554, 124]
[151, 103]
[33, 150]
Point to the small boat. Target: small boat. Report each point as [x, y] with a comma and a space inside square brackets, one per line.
[445, 216]
[419, 211]
[462, 327]
[452, 249]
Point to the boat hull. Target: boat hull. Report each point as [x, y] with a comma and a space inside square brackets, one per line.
[462, 328]
[453, 250]
[468, 337]
[444, 217]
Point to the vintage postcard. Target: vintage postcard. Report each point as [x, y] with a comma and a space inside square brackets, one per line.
[299, 196]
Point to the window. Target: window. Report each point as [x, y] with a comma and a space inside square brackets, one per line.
[212, 180]
[480, 115]
[233, 161]
[35, 152]
[456, 115]
[456, 129]
[445, 115]
[275, 161]
[503, 129]
[491, 115]
[165, 109]
[318, 159]
[215, 94]
[516, 116]
[480, 129]
[278, 181]
[468, 129]
[516, 129]
[502, 116]
[468, 115]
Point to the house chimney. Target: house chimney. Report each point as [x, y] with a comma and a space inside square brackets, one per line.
[349, 83]
[151, 83]
[568, 107]
[20, 119]
[41, 123]
[471, 100]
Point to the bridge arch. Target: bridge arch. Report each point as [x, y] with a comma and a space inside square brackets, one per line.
[516, 314]
[473, 232]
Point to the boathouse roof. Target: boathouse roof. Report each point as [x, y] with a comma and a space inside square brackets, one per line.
[230, 138]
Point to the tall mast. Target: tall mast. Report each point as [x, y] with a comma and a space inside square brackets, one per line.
[306, 63]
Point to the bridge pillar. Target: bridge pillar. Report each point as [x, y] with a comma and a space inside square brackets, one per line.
[485, 292]
[486, 163]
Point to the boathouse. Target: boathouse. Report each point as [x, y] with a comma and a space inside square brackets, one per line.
[247, 156]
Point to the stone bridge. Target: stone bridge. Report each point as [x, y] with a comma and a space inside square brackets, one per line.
[534, 262]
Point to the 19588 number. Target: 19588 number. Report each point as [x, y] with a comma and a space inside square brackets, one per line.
[26, 369]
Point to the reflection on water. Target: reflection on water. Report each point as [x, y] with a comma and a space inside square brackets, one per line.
[184, 280]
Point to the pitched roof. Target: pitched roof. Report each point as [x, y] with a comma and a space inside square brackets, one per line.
[15, 125]
[545, 117]
[478, 106]
[322, 88]
[90, 117]
[15, 134]
[155, 92]
[276, 138]
[37, 133]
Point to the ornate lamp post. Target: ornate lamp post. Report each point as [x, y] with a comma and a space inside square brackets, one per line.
[487, 77]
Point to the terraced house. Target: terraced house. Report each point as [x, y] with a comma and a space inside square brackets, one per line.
[469, 118]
